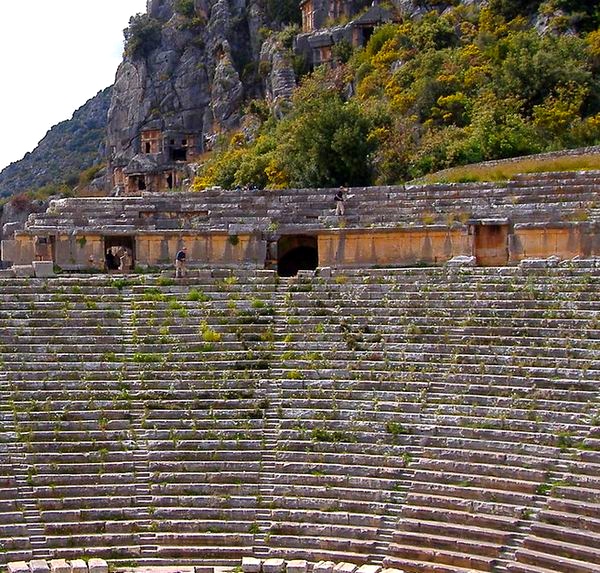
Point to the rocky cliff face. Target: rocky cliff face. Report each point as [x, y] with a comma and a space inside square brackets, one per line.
[192, 77]
[67, 149]
[190, 66]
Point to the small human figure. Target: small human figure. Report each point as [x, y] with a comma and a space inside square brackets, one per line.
[42, 249]
[180, 262]
[111, 264]
[125, 260]
[339, 202]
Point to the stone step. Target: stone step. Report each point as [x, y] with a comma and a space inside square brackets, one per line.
[144, 549]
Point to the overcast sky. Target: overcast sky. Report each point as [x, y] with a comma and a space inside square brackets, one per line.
[55, 55]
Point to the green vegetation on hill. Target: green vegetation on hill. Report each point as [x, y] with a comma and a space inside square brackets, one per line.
[467, 86]
[70, 154]
[503, 171]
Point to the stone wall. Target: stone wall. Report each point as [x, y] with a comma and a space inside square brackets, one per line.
[381, 247]
[536, 215]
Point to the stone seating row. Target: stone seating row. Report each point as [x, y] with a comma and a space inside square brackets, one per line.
[452, 541]
[93, 565]
[312, 498]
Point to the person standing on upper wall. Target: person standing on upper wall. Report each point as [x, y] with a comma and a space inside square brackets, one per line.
[339, 202]
[180, 263]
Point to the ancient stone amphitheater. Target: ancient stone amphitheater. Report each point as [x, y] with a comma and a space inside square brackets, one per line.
[436, 419]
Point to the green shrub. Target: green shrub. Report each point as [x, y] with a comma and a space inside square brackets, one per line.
[209, 334]
[396, 429]
[142, 36]
[145, 357]
[185, 7]
[196, 295]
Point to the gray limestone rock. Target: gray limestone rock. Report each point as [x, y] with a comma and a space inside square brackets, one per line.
[39, 566]
[280, 80]
[192, 83]
[251, 565]
[226, 93]
[17, 567]
[97, 565]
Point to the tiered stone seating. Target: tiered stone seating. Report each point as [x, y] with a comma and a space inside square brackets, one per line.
[71, 417]
[526, 200]
[14, 535]
[132, 409]
[566, 535]
[476, 375]
[430, 420]
[204, 405]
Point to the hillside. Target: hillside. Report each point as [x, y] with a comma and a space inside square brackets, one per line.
[235, 90]
[69, 148]
[429, 89]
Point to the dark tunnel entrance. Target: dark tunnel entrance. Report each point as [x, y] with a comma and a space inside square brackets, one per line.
[297, 253]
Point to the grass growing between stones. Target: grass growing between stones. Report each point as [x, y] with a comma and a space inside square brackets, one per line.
[505, 171]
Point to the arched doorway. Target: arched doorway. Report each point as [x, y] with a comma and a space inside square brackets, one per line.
[296, 253]
[119, 253]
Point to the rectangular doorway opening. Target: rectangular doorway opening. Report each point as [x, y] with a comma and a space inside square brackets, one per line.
[490, 243]
[119, 253]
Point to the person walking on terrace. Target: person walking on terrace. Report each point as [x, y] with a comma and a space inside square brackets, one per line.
[339, 202]
[180, 263]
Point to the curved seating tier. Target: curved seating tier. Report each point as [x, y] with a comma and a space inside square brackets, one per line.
[525, 199]
[428, 419]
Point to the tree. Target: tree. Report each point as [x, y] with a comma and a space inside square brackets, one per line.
[325, 140]
[142, 36]
[283, 11]
[510, 9]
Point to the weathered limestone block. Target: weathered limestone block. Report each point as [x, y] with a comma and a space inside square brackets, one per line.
[550, 262]
[297, 566]
[265, 276]
[17, 567]
[23, 271]
[324, 567]
[324, 272]
[97, 565]
[392, 570]
[369, 569]
[273, 566]
[39, 566]
[462, 261]
[59, 566]
[43, 269]
[251, 565]
[345, 567]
